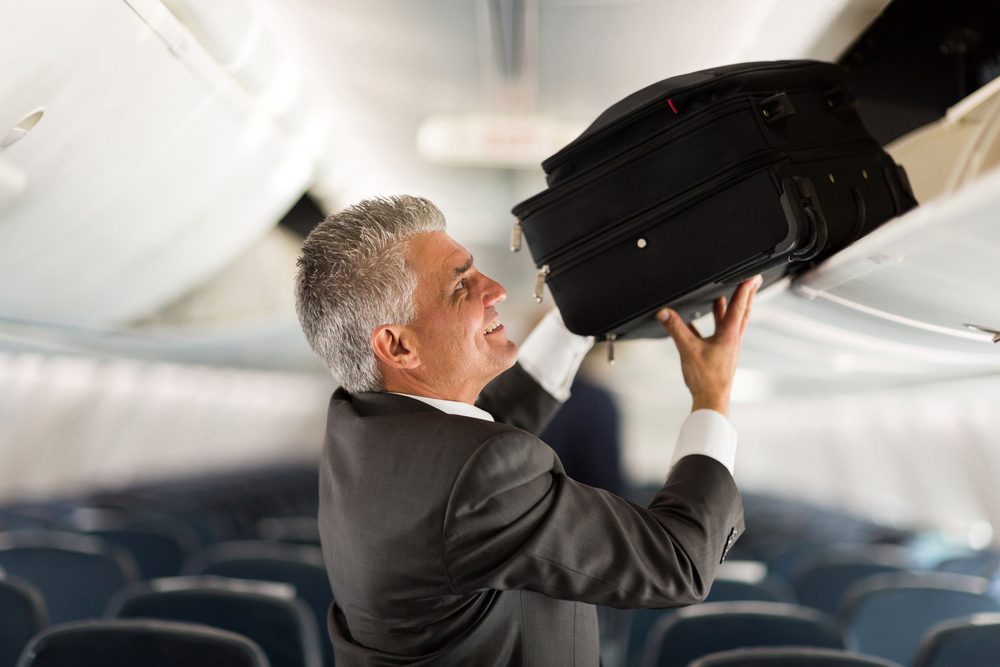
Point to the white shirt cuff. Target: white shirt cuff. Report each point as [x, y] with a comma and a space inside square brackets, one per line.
[552, 355]
[709, 433]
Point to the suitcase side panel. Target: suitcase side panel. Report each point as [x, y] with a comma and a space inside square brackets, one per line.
[574, 214]
[629, 278]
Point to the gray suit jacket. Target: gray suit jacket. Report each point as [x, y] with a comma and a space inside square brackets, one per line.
[451, 540]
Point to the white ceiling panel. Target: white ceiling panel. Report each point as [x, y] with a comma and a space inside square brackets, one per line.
[148, 172]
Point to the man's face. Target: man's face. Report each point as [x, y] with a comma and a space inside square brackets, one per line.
[461, 341]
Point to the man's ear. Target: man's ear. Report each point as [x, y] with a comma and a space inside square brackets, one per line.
[395, 346]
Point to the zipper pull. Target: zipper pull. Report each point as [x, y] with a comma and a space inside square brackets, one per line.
[611, 348]
[543, 273]
[515, 237]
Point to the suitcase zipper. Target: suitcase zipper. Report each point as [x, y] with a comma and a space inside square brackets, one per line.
[594, 244]
[516, 236]
[543, 273]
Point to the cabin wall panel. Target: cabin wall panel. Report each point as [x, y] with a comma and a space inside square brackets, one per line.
[75, 423]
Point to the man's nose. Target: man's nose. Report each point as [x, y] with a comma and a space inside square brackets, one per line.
[494, 292]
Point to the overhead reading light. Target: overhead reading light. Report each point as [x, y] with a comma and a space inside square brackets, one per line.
[16, 133]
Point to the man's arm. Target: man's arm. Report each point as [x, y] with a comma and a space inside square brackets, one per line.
[515, 397]
[514, 522]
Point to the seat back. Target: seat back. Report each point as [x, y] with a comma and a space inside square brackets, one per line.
[821, 583]
[159, 544]
[290, 529]
[298, 565]
[790, 656]
[973, 641]
[269, 614]
[22, 616]
[75, 574]
[887, 615]
[723, 590]
[978, 564]
[147, 643]
[708, 628]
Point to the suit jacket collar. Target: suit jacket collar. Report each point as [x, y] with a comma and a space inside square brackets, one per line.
[380, 403]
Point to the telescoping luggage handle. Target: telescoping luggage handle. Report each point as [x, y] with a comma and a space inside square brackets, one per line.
[807, 228]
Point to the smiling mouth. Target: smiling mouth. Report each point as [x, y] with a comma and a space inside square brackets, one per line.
[492, 326]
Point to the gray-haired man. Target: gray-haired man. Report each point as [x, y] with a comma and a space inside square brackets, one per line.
[454, 539]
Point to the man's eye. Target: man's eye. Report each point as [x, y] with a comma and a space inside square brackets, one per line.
[460, 285]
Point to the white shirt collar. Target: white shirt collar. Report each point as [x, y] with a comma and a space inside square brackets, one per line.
[451, 407]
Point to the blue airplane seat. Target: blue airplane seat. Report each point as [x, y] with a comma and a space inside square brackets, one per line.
[296, 564]
[642, 621]
[973, 641]
[697, 631]
[266, 612]
[790, 656]
[148, 643]
[75, 574]
[887, 615]
[22, 616]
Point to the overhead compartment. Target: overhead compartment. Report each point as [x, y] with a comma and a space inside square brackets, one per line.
[933, 269]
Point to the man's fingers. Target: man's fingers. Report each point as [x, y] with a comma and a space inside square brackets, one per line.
[737, 309]
[675, 326]
[746, 313]
[719, 310]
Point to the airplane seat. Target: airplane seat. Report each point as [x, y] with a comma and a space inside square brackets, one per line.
[642, 621]
[296, 564]
[698, 631]
[266, 612]
[127, 643]
[790, 656]
[75, 574]
[159, 544]
[289, 529]
[888, 614]
[206, 524]
[782, 532]
[250, 496]
[11, 519]
[794, 558]
[978, 564]
[973, 641]
[821, 581]
[22, 616]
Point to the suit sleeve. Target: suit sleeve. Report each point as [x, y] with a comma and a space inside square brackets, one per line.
[514, 521]
[516, 398]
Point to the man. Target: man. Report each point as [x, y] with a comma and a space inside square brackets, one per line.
[454, 539]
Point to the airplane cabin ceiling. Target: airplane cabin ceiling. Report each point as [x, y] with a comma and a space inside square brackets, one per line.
[176, 134]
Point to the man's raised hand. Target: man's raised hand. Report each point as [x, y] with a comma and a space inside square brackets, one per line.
[709, 364]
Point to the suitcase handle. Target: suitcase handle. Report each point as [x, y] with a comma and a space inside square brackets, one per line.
[805, 221]
[776, 107]
[818, 231]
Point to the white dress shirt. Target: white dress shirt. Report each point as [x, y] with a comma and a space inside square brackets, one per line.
[552, 355]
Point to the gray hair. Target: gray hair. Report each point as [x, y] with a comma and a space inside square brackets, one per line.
[353, 278]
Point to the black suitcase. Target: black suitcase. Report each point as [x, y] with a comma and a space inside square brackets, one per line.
[683, 189]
